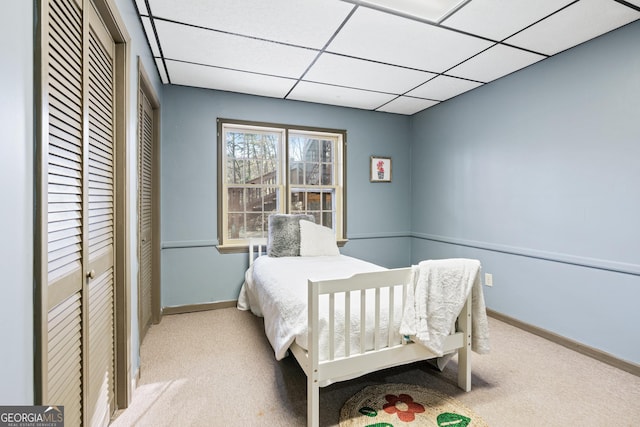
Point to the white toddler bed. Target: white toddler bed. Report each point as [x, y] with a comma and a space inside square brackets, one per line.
[293, 292]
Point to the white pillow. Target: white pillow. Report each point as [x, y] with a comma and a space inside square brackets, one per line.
[317, 240]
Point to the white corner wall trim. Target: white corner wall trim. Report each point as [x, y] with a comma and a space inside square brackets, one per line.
[600, 264]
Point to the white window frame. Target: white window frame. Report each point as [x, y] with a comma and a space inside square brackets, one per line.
[337, 187]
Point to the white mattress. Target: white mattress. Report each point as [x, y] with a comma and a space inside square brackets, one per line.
[276, 289]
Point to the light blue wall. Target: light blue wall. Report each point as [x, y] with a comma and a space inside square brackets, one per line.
[16, 213]
[538, 176]
[193, 271]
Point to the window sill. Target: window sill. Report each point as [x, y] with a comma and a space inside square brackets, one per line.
[244, 248]
[233, 249]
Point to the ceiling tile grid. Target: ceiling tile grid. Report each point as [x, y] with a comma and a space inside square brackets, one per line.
[374, 35]
[495, 62]
[443, 87]
[586, 19]
[305, 23]
[339, 95]
[348, 54]
[368, 75]
[187, 74]
[216, 49]
[501, 18]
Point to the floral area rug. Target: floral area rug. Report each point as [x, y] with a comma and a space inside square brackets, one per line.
[393, 405]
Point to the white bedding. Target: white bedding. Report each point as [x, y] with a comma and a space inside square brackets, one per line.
[276, 289]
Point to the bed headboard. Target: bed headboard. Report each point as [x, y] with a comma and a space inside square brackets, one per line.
[257, 247]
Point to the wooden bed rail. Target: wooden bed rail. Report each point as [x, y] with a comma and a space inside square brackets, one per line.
[394, 352]
[390, 280]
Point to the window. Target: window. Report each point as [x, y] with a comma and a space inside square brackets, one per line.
[270, 168]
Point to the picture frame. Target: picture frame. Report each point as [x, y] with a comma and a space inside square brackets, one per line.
[380, 169]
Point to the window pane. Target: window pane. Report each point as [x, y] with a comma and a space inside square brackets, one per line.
[255, 225]
[236, 225]
[311, 150]
[313, 201]
[236, 200]
[254, 199]
[311, 174]
[271, 199]
[304, 159]
[246, 226]
[251, 157]
[234, 171]
[327, 174]
[296, 148]
[253, 171]
[327, 201]
[327, 152]
[297, 202]
[270, 171]
[327, 219]
[296, 173]
[235, 145]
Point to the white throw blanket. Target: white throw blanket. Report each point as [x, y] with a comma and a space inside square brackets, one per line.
[440, 289]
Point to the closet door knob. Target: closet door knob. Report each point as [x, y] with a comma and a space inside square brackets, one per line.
[91, 274]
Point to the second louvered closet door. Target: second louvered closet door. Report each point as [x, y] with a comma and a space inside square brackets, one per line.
[145, 205]
[100, 215]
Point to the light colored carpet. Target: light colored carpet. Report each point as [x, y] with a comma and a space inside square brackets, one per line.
[216, 368]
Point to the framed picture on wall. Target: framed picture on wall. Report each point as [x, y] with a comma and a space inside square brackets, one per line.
[380, 169]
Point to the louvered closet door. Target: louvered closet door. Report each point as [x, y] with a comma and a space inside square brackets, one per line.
[100, 214]
[63, 159]
[145, 203]
[77, 342]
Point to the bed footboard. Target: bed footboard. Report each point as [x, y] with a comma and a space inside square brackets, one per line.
[394, 351]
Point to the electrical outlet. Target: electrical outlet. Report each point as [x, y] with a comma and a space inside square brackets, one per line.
[488, 279]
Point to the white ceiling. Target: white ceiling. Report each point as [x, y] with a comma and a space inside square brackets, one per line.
[344, 53]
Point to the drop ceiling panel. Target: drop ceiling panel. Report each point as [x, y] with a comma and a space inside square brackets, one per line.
[191, 44]
[229, 80]
[407, 105]
[307, 23]
[336, 95]
[577, 23]
[359, 74]
[443, 87]
[378, 36]
[494, 63]
[498, 19]
[148, 29]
